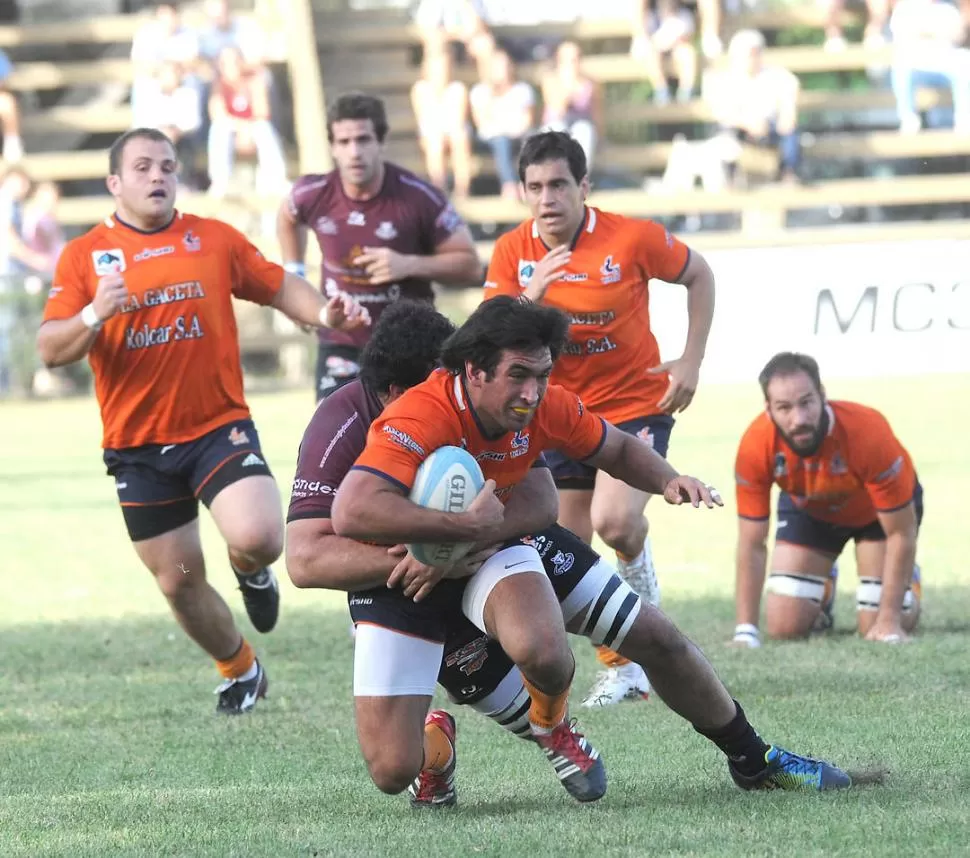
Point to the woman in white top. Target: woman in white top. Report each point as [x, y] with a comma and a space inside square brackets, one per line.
[503, 110]
[440, 105]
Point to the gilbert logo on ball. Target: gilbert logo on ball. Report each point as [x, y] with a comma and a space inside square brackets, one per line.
[447, 481]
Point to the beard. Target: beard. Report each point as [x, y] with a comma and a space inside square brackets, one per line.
[813, 436]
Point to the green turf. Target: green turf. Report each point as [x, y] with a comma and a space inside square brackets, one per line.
[109, 744]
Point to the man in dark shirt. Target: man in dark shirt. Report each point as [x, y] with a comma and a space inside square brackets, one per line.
[384, 233]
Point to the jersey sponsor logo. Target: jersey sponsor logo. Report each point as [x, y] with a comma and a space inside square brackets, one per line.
[491, 284]
[386, 231]
[402, 439]
[562, 562]
[592, 319]
[356, 218]
[527, 267]
[310, 488]
[838, 465]
[448, 220]
[326, 226]
[147, 336]
[520, 444]
[490, 456]
[191, 242]
[238, 437]
[54, 292]
[610, 271]
[189, 291]
[108, 262]
[150, 252]
[646, 436]
[469, 658]
[360, 600]
[337, 436]
[781, 465]
[252, 460]
[574, 278]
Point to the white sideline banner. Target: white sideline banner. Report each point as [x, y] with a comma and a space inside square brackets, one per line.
[860, 309]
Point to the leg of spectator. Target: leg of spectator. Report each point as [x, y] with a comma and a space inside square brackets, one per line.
[903, 82]
[875, 34]
[221, 155]
[584, 132]
[644, 51]
[13, 147]
[505, 165]
[959, 81]
[834, 40]
[270, 161]
[461, 161]
[710, 14]
[684, 57]
[434, 158]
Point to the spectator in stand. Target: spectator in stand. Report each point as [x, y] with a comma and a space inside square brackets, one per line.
[440, 105]
[927, 35]
[572, 101]
[239, 113]
[41, 231]
[756, 103]
[165, 38]
[225, 30]
[503, 110]
[875, 32]
[662, 40]
[13, 147]
[171, 103]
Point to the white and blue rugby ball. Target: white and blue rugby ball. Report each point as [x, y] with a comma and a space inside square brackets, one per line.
[448, 481]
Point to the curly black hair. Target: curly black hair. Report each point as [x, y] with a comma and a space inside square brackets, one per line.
[404, 346]
[504, 324]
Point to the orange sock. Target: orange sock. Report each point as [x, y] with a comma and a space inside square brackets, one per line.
[547, 711]
[438, 750]
[238, 663]
[623, 558]
[608, 658]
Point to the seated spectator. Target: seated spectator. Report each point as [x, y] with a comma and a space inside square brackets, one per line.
[173, 104]
[757, 103]
[163, 39]
[451, 21]
[42, 232]
[440, 106]
[503, 111]
[926, 52]
[571, 100]
[13, 147]
[240, 122]
[662, 41]
[225, 30]
[875, 32]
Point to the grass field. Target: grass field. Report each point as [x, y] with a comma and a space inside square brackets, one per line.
[109, 744]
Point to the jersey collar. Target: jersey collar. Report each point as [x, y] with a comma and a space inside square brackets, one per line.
[113, 220]
[464, 403]
[588, 224]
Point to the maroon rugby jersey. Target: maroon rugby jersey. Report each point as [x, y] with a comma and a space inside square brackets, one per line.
[334, 438]
[407, 215]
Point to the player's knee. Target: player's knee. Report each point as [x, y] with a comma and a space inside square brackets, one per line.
[653, 639]
[393, 773]
[793, 605]
[545, 663]
[621, 532]
[178, 584]
[869, 597]
[261, 544]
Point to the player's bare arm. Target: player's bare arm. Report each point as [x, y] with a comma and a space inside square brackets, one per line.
[685, 370]
[64, 341]
[455, 262]
[292, 236]
[900, 527]
[298, 300]
[752, 563]
[633, 461]
[370, 508]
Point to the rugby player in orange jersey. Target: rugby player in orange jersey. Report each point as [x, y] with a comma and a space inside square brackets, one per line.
[147, 296]
[596, 266]
[843, 475]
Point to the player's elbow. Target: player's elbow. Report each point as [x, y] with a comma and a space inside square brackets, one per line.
[348, 515]
[300, 563]
[47, 349]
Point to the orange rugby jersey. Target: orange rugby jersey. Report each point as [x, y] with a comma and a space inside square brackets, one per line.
[438, 413]
[860, 469]
[604, 292]
[166, 368]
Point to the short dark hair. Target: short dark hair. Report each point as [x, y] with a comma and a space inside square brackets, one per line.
[501, 324]
[789, 363]
[117, 151]
[553, 146]
[404, 346]
[357, 105]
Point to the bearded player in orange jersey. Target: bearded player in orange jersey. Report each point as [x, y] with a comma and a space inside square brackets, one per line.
[147, 296]
[595, 266]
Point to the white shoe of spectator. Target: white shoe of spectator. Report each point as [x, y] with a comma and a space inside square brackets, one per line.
[836, 43]
[910, 124]
[711, 45]
[13, 148]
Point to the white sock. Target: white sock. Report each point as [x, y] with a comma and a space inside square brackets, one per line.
[249, 674]
[543, 731]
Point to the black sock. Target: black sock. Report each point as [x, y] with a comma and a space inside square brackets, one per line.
[739, 741]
